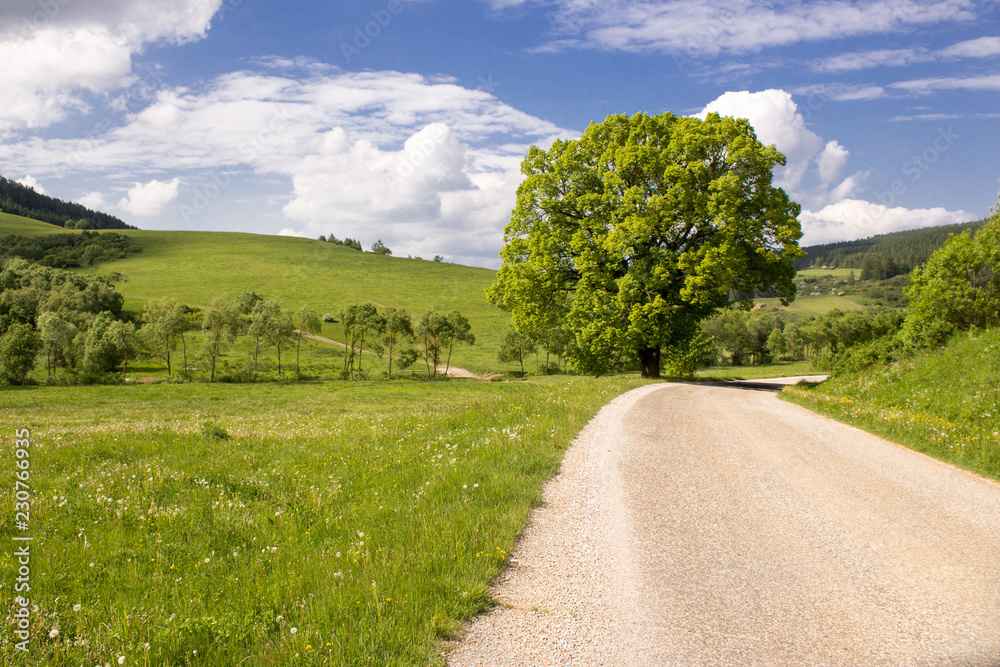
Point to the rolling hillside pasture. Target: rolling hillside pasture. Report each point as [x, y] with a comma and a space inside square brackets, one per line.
[195, 267]
[19, 226]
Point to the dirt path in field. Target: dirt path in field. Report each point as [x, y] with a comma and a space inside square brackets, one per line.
[718, 525]
[454, 371]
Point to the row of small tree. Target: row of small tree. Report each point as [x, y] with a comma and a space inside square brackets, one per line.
[394, 331]
[77, 325]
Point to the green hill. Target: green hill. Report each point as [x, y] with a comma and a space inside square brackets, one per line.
[195, 267]
[21, 226]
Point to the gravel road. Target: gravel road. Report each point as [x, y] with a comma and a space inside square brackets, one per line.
[695, 525]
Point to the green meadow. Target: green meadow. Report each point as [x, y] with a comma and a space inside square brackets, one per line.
[835, 272]
[310, 523]
[944, 403]
[815, 306]
[17, 225]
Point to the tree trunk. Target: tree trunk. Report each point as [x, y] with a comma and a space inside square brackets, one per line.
[361, 352]
[297, 346]
[184, 345]
[168, 361]
[649, 362]
[427, 356]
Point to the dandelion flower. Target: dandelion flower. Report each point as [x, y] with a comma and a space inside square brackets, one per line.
[121, 660]
[77, 607]
[294, 630]
[53, 633]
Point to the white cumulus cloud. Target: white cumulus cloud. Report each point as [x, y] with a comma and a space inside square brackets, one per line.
[776, 120]
[855, 218]
[64, 47]
[151, 198]
[814, 174]
[423, 163]
[831, 161]
[30, 182]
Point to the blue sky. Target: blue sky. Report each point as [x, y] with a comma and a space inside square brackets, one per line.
[406, 120]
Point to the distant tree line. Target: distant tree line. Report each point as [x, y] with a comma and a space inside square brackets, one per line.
[24, 201]
[348, 242]
[69, 250]
[884, 255]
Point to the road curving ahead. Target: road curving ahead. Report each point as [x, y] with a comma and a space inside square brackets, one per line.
[718, 525]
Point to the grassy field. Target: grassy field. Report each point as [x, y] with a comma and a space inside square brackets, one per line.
[945, 403]
[336, 524]
[835, 272]
[195, 267]
[15, 224]
[814, 305]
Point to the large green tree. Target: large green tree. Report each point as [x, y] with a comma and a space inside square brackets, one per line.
[631, 235]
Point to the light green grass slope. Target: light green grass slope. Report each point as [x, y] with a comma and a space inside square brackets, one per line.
[15, 224]
[196, 267]
[945, 403]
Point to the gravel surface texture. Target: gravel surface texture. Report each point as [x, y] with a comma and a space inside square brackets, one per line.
[695, 525]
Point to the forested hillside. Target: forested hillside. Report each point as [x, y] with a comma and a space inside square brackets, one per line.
[24, 201]
[885, 255]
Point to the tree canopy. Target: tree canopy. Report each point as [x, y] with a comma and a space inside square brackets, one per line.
[630, 236]
[958, 287]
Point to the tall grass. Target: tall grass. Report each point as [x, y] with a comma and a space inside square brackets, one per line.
[944, 403]
[303, 524]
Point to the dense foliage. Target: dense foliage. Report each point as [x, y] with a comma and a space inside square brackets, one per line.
[69, 250]
[627, 238]
[24, 201]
